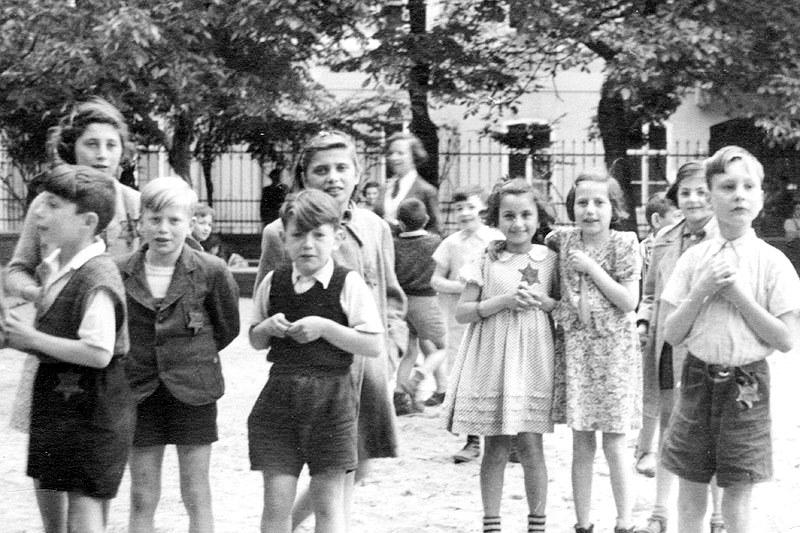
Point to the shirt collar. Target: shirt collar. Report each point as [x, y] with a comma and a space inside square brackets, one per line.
[80, 258]
[415, 233]
[748, 236]
[323, 275]
[536, 253]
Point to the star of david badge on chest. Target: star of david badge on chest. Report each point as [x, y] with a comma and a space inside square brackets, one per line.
[530, 275]
[68, 384]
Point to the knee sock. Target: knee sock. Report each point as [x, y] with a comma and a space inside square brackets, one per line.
[536, 523]
[491, 524]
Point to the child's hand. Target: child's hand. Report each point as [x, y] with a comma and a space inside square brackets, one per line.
[718, 274]
[538, 299]
[580, 261]
[31, 293]
[274, 326]
[735, 291]
[307, 329]
[18, 333]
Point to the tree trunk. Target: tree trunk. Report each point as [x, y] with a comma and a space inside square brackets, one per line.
[206, 163]
[618, 129]
[179, 153]
[419, 76]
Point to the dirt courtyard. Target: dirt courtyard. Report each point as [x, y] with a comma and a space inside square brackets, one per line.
[420, 491]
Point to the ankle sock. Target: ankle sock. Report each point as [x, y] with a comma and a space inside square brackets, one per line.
[491, 524]
[536, 523]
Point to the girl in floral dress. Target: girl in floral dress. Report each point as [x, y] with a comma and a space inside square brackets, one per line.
[503, 375]
[599, 270]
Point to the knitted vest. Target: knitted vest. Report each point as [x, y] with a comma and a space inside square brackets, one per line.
[286, 354]
[63, 318]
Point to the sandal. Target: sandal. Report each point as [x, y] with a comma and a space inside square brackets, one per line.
[655, 524]
[589, 529]
[718, 527]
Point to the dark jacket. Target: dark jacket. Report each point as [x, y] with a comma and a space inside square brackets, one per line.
[177, 341]
[428, 195]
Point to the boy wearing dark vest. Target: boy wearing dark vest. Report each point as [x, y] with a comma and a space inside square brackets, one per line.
[82, 411]
[312, 315]
[183, 307]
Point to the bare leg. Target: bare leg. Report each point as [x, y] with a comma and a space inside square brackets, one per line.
[692, 502]
[53, 509]
[584, 446]
[531, 455]
[736, 506]
[303, 508]
[327, 495]
[716, 501]
[86, 513]
[615, 451]
[493, 467]
[407, 363]
[279, 491]
[194, 462]
[145, 467]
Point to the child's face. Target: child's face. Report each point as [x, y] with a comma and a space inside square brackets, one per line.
[99, 146]
[518, 219]
[468, 212]
[58, 223]
[165, 230]
[400, 158]
[371, 195]
[310, 251]
[333, 172]
[693, 199]
[201, 229]
[592, 208]
[736, 196]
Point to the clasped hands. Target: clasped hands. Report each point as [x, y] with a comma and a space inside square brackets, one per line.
[304, 330]
[530, 297]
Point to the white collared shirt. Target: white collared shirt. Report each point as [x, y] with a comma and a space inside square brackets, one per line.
[390, 204]
[720, 334]
[98, 326]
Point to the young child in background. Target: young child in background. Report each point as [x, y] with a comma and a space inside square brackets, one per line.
[600, 269]
[82, 413]
[414, 265]
[183, 309]
[503, 377]
[203, 223]
[313, 315]
[459, 249]
[733, 301]
[660, 212]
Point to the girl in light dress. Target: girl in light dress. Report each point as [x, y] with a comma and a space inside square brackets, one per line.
[503, 376]
[599, 270]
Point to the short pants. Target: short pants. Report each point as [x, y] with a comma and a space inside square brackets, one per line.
[162, 419]
[425, 319]
[710, 432]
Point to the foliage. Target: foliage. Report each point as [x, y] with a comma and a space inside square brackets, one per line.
[192, 76]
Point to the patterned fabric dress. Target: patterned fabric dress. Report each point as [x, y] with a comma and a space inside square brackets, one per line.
[603, 358]
[503, 377]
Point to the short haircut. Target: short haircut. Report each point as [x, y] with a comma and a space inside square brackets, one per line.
[89, 189]
[168, 191]
[61, 138]
[371, 185]
[615, 194]
[658, 203]
[203, 210]
[324, 140]
[515, 187]
[686, 171]
[310, 209]
[718, 163]
[418, 152]
[411, 213]
[462, 195]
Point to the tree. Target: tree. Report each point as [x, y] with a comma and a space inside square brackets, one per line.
[187, 75]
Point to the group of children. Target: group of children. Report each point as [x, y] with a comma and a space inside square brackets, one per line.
[129, 348]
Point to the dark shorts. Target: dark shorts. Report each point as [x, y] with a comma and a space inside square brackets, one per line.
[666, 379]
[162, 419]
[426, 320]
[711, 433]
[81, 428]
[302, 419]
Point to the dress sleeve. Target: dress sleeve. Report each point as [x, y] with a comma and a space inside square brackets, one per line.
[272, 251]
[628, 262]
[27, 255]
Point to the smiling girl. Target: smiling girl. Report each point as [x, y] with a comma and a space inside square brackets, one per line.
[600, 269]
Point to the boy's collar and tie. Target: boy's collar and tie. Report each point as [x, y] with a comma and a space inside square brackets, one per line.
[302, 283]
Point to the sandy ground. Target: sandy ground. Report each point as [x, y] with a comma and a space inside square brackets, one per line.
[422, 490]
